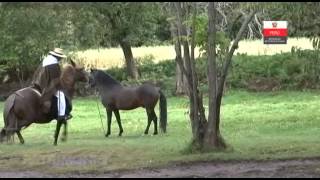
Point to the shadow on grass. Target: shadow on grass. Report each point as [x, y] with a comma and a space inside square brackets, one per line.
[135, 136]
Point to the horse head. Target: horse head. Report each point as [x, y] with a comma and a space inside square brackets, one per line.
[80, 73]
[92, 82]
[72, 73]
[101, 78]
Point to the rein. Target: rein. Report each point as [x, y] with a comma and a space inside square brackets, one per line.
[104, 132]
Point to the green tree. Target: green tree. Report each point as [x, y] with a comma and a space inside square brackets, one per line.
[26, 35]
[29, 30]
[129, 24]
[206, 131]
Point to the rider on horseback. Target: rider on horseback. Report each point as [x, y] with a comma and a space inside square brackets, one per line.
[47, 80]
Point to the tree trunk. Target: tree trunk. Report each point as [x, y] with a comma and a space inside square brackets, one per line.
[185, 65]
[181, 82]
[130, 64]
[132, 70]
[197, 115]
[211, 138]
[205, 133]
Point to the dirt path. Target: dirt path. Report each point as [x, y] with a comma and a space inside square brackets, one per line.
[306, 168]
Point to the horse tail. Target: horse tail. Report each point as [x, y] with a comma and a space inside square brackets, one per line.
[163, 112]
[8, 115]
[9, 104]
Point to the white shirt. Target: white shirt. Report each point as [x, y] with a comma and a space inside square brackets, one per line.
[49, 60]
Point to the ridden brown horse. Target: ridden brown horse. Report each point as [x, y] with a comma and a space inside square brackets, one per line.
[24, 107]
[116, 97]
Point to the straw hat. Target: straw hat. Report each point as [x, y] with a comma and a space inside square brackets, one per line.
[57, 52]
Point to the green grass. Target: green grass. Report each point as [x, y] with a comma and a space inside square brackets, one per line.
[273, 125]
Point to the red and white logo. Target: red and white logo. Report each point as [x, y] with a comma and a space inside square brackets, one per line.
[275, 28]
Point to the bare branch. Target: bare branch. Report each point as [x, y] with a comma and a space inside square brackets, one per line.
[176, 33]
[259, 25]
[182, 32]
[224, 19]
[250, 34]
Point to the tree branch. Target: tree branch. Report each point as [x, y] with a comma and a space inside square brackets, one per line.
[193, 71]
[259, 25]
[224, 21]
[182, 32]
[176, 35]
[230, 54]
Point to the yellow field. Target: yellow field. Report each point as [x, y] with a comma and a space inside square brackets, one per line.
[258, 48]
[111, 57]
[105, 58]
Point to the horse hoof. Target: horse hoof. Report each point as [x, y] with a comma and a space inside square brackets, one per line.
[63, 139]
[145, 133]
[107, 135]
[155, 133]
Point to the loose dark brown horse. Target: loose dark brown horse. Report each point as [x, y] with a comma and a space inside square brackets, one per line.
[116, 97]
[24, 107]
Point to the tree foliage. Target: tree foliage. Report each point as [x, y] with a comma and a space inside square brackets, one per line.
[26, 34]
[30, 29]
[134, 22]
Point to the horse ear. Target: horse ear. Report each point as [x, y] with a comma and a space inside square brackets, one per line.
[72, 63]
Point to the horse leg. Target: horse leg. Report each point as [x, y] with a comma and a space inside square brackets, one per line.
[116, 113]
[2, 135]
[5, 135]
[149, 121]
[64, 134]
[20, 137]
[59, 123]
[109, 116]
[10, 135]
[155, 122]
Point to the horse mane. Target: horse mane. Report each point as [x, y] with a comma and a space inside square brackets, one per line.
[105, 79]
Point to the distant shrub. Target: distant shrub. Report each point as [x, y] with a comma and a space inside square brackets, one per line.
[299, 69]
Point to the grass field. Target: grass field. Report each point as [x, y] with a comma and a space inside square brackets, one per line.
[106, 58]
[257, 126]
